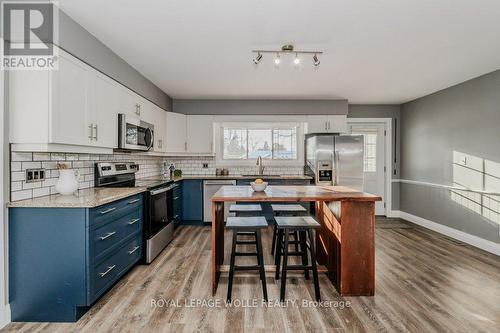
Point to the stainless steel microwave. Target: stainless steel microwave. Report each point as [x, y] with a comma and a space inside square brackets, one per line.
[134, 134]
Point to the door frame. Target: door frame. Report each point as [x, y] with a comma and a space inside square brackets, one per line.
[388, 156]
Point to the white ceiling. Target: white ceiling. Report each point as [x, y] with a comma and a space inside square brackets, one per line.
[385, 51]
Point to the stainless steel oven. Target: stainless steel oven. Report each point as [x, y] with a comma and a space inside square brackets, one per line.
[134, 134]
[159, 224]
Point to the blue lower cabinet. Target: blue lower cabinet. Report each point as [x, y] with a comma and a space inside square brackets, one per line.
[192, 201]
[61, 260]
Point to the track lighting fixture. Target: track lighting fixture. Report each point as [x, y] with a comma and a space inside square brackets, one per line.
[287, 49]
[257, 58]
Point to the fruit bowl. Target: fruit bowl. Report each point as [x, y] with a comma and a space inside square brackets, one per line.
[258, 187]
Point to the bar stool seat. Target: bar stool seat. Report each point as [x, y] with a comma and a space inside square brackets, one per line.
[287, 210]
[253, 224]
[303, 225]
[239, 208]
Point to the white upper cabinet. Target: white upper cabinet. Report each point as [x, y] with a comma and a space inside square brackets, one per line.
[69, 113]
[160, 131]
[327, 124]
[200, 134]
[105, 106]
[176, 133]
[74, 109]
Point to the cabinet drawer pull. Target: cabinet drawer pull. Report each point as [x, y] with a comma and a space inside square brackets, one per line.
[134, 221]
[108, 210]
[133, 250]
[109, 234]
[176, 198]
[110, 268]
[133, 201]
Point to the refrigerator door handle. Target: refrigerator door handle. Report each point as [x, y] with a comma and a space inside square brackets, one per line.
[336, 168]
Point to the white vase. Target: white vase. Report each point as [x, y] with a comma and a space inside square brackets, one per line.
[68, 182]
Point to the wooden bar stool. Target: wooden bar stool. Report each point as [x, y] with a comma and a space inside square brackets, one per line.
[285, 226]
[287, 210]
[252, 224]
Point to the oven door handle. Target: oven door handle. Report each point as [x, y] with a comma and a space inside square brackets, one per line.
[161, 190]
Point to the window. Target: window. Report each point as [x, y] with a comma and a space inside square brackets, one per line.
[370, 148]
[264, 140]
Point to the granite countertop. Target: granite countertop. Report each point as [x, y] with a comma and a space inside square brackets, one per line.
[86, 198]
[93, 197]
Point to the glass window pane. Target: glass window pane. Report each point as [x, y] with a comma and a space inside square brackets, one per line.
[235, 143]
[285, 144]
[259, 143]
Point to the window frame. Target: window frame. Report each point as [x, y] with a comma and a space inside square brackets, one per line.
[219, 140]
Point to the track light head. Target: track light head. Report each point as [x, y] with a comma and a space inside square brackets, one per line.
[296, 61]
[257, 59]
[316, 61]
[277, 59]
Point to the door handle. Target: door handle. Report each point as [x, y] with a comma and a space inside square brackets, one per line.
[95, 127]
[91, 135]
[133, 250]
[109, 234]
[134, 221]
[133, 201]
[108, 210]
[110, 268]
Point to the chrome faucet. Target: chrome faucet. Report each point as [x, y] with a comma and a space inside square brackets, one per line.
[259, 164]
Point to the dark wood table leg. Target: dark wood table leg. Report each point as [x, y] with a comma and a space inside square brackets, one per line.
[217, 242]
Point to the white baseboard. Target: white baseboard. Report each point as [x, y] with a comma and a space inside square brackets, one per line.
[4, 315]
[475, 241]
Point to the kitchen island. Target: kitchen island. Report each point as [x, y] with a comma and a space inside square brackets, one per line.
[345, 242]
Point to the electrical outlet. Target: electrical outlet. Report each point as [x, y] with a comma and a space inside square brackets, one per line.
[205, 165]
[35, 175]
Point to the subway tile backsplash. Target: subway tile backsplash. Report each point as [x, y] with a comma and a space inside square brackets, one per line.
[84, 163]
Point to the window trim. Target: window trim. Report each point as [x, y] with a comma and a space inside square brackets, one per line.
[219, 143]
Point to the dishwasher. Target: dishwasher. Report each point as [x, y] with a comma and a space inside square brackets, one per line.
[210, 187]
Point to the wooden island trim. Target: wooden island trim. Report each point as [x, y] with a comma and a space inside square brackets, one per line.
[345, 243]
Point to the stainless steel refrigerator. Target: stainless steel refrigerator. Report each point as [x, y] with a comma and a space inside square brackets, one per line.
[335, 159]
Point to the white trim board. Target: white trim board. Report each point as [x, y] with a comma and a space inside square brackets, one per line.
[475, 241]
[388, 157]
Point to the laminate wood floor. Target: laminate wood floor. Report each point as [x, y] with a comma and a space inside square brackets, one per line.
[425, 282]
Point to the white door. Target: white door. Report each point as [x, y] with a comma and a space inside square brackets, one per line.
[70, 118]
[176, 133]
[200, 134]
[374, 159]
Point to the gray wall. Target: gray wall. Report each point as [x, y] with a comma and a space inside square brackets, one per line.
[260, 107]
[385, 111]
[74, 39]
[465, 118]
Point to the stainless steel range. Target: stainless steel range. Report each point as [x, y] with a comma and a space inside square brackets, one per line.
[158, 202]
